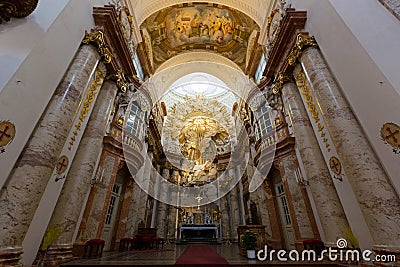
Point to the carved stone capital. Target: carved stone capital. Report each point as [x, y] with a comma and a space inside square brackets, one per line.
[303, 41]
[280, 82]
[16, 8]
[96, 38]
[118, 78]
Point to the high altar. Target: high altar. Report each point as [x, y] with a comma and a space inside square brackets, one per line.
[199, 225]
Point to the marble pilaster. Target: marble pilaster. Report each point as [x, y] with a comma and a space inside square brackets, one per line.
[122, 225]
[93, 220]
[224, 218]
[300, 215]
[328, 205]
[259, 198]
[156, 202]
[143, 196]
[40, 155]
[377, 198]
[131, 225]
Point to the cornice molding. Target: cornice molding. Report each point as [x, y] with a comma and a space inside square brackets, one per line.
[293, 22]
[106, 17]
[16, 8]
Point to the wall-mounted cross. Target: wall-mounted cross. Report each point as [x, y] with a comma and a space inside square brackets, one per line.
[391, 135]
[3, 133]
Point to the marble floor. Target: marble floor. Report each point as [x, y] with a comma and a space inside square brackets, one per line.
[169, 255]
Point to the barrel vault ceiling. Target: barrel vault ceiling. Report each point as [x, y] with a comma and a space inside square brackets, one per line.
[191, 27]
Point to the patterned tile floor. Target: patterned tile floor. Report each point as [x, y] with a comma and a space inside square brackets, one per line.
[171, 253]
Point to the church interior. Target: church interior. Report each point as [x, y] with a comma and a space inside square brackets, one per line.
[179, 133]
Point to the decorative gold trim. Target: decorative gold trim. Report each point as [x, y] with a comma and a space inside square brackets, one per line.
[303, 41]
[16, 8]
[281, 80]
[302, 84]
[87, 104]
[118, 78]
[120, 121]
[96, 38]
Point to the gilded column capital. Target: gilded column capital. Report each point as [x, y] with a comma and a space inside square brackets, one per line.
[274, 94]
[118, 78]
[96, 38]
[303, 41]
[282, 78]
[16, 8]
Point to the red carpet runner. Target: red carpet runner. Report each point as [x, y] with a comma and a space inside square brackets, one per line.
[200, 255]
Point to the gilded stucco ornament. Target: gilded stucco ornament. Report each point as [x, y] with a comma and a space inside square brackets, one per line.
[16, 8]
[275, 92]
[96, 38]
[390, 133]
[118, 78]
[281, 80]
[7, 134]
[303, 41]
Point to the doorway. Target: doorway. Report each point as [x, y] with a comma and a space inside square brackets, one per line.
[284, 215]
[111, 215]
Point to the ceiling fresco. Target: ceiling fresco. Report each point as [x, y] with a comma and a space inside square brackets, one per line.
[198, 27]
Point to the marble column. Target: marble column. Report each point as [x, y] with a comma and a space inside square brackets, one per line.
[328, 205]
[296, 202]
[377, 198]
[241, 200]
[173, 212]
[156, 193]
[162, 210]
[29, 178]
[234, 205]
[230, 216]
[69, 204]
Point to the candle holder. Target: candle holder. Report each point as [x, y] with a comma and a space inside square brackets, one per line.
[168, 237]
[228, 240]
